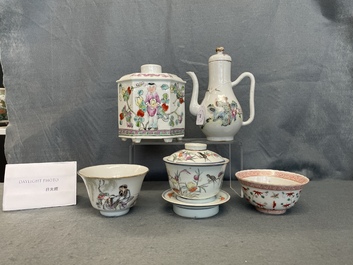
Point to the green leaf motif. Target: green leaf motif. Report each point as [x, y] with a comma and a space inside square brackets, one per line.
[164, 87]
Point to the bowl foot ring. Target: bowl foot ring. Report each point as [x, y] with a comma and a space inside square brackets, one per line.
[114, 213]
[195, 212]
[274, 212]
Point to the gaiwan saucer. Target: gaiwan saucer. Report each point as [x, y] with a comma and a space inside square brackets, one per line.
[195, 208]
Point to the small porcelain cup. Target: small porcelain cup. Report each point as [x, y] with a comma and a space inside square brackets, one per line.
[113, 189]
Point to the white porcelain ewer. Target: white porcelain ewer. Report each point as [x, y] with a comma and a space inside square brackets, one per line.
[220, 115]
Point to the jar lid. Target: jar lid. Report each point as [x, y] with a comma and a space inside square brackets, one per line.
[195, 153]
[220, 56]
[151, 72]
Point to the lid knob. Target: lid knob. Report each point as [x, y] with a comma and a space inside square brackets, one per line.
[220, 56]
[195, 146]
[219, 49]
[151, 69]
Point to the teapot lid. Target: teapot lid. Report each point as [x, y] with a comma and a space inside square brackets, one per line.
[195, 153]
[151, 72]
[220, 56]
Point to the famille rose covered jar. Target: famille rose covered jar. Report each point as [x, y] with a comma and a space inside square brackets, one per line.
[151, 105]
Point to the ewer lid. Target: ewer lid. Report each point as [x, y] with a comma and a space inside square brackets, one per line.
[195, 153]
[220, 56]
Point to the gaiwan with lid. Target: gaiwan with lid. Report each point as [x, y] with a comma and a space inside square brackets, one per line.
[195, 173]
[151, 105]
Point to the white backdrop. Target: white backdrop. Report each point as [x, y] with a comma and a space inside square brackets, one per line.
[61, 60]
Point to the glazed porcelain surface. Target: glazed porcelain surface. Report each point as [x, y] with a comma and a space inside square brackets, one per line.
[220, 198]
[195, 153]
[151, 105]
[195, 172]
[113, 189]
[194, 208]
[271, 191]
[220, 114]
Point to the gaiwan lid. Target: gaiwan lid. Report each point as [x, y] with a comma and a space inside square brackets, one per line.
[151, 72]
[195, 153]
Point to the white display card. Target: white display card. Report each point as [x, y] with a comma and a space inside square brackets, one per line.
[39, 185]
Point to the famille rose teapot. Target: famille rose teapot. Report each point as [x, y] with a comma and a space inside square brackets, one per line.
[220, 115]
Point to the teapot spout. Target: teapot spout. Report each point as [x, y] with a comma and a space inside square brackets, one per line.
[194, 105]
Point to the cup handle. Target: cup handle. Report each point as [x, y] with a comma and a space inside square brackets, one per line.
[241, 195]
[251, 98]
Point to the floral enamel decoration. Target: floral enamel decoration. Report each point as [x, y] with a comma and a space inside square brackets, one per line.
[151, 105]
[195, 177]
[186, 155]
[194, 172]
[181, 183]
[220, 107]
[224, 112]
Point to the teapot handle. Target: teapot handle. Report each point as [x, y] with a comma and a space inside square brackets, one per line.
[252, 92]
